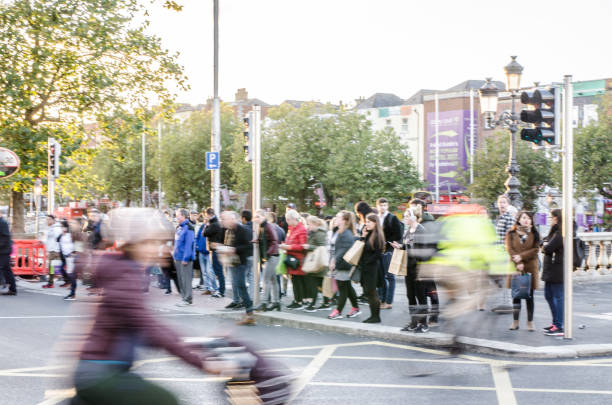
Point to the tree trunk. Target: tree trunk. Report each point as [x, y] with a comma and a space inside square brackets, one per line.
[18, 207]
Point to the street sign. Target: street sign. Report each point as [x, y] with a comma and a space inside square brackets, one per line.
[9, 163]
[212, 160]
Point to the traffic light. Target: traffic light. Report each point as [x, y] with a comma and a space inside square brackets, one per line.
[543, 113]
[248, 139]
[55, 150]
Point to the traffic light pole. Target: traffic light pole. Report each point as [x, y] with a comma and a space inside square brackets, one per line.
[215, 143]
[568, 199]
[255, 127]
[50, 179]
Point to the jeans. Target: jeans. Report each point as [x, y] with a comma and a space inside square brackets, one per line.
[218, 270]
[185, 278]
[553, 292]
[387, 291]
[207, 274]
[271, 286]
[249, 277]
[239, 286]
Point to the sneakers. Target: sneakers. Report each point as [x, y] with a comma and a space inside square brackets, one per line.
[548, 328]
[310, 308]
[411, 327]
[384, 305]
[294, 305]
[232, 305]
[324, 307]
[354, 312]
[168, 292]
[335, 314]
[69, 297]
[422, 328]
[554, 331]
[47, 286]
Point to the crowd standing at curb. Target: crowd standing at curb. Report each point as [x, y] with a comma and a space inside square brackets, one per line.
[352, 257]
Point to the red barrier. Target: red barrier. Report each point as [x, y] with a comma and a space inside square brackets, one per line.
[29, 258]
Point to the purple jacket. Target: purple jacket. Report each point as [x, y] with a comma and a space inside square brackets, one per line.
[123, 320]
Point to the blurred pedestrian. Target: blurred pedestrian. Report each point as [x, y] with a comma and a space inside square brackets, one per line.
[317, 237]
[246, 217]
[54, 231]
[267, 243]
[522, 244]
[237, 249]
[208, 280]
[214, 234]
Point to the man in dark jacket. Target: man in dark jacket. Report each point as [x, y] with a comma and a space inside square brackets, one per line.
[393, 230]
[6, 246]
[214, 233]
[238, 248]
[184, 254]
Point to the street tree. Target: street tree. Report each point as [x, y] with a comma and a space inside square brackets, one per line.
[319, 144]
[537, 168]
[593, 153]
[63, 62]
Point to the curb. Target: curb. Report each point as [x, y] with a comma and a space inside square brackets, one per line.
[429, 339]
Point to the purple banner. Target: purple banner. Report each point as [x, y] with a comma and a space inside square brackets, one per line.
[454, 148]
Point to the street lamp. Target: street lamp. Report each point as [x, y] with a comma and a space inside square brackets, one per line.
[488, 106]
[37, 194]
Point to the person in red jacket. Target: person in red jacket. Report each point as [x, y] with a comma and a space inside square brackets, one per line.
[294, 247]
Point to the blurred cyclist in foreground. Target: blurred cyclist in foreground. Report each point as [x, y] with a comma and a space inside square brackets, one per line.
[122, 320]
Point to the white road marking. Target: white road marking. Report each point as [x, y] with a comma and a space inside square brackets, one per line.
[311, 370]
[420, 387]
[503, 385]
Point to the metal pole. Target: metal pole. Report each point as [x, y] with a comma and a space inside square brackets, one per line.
[159, 151]
[216, 119]
[51, 184]
[471, 136]
[437, 130]
[144, 152]
[513, 183]
[568, 198]
[256, 194]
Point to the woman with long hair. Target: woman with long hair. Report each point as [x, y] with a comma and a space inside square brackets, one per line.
[341, 241]
[362, 209]
[552, 273]
[522, 244]
[369, 264]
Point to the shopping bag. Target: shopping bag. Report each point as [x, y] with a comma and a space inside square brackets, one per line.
[292, 262]
[316, 260]
[399, 262]
[521, 286]
[326, 288]
[281, 268]
[353, 255]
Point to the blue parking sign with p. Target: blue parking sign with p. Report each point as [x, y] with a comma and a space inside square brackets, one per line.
[212, 160]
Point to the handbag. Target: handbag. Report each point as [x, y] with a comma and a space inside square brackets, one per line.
[316, 260]
[521, 286]
[292, 262]
[281, 268]
[399, 262]
[353, 255]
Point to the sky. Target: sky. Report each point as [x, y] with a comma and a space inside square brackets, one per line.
[332, 50]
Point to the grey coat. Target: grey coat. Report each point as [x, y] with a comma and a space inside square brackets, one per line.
[344, 241]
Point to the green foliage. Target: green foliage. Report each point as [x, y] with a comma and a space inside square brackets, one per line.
[593, 153]
[491, 160]
[63, 62]
[308, 145]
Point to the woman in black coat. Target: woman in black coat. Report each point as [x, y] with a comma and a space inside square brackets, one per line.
[552, 273]
[369, 264]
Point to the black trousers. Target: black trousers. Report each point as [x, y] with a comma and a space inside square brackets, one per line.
[516, 304]
[7, 273]
[346, 290]
[299, 287]
[417, 300]
[374, 302]
[312, 287]
[170, 273]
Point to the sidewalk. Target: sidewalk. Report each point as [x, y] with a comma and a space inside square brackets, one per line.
[482, 332]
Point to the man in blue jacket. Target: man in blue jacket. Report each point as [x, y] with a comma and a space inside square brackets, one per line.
[184, 254]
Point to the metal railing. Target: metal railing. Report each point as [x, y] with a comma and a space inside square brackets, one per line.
[597, 261]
